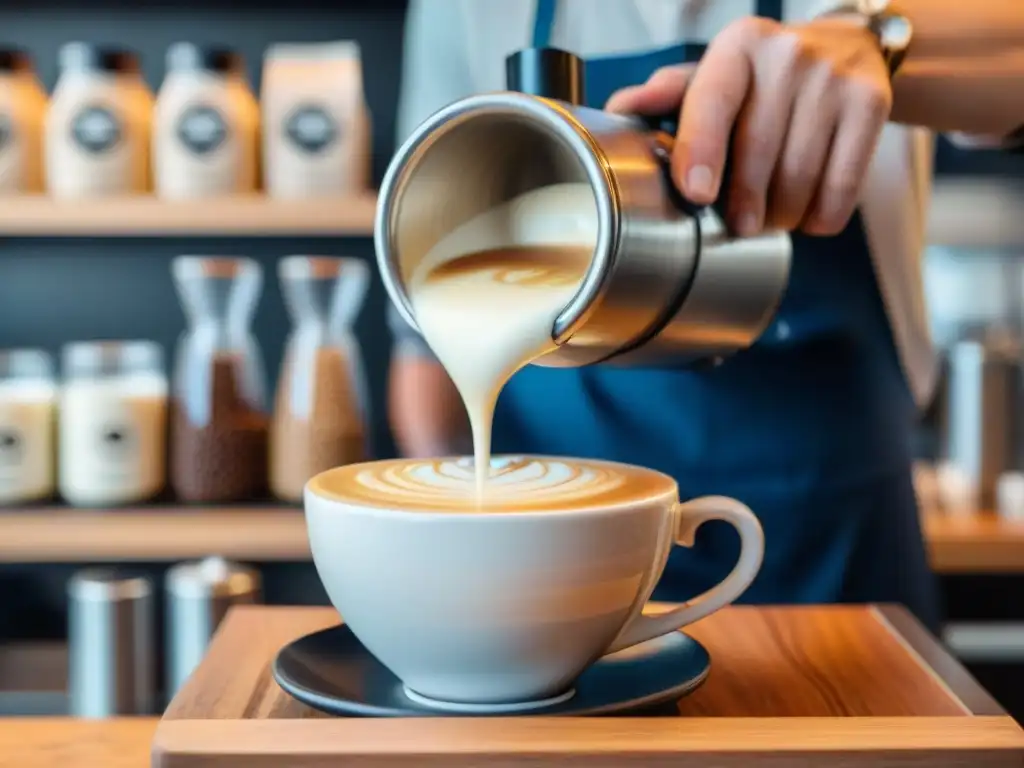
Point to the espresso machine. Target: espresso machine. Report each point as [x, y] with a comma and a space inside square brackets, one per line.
[667, 282]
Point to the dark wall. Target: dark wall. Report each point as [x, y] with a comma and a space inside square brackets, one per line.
[57, 290]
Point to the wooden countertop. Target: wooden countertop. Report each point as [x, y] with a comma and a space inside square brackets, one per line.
[61, 742]
[981, 543]
[806, 689]
[798, 686]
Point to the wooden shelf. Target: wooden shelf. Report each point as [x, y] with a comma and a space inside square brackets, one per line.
[980, 544]
[157, 534]
[148, 216]
[963, 213]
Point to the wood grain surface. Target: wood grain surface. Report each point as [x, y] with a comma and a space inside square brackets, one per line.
[962, 213]
[34, 216]
[799, 686]
[979, 543]
[58, 742]
[153, 534]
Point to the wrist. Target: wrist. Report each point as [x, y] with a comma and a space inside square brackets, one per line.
[891, 31]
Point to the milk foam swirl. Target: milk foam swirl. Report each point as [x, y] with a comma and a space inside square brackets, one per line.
[514, 483]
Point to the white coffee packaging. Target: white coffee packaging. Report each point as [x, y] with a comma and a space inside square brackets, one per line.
[112, 446]
[316, 127]
[22, 110]
[205, 126]
[98, 126]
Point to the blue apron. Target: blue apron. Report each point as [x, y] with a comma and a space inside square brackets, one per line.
[811, 427]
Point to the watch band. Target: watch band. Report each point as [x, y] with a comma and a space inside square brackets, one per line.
[891, 30]
[1015, 141]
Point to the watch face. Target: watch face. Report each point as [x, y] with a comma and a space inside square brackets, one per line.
[896, 32]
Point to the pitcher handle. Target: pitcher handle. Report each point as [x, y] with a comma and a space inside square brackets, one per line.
[691, 516]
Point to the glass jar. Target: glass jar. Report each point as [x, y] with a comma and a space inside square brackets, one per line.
[28, 400]
[219, 404]
[320, 409]
[113, 422]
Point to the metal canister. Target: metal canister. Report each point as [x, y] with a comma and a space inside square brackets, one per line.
[983, 411]
[198, 595]
[666, 283]
[110, 644]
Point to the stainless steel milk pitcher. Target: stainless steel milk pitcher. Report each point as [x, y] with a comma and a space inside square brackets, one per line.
[667, 283]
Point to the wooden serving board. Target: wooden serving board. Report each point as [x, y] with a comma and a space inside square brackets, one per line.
[842, 687]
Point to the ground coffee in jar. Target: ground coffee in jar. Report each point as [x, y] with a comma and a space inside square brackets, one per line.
[224, 458]
[329, 434]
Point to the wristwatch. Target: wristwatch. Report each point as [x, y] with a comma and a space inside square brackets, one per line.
[892, 30]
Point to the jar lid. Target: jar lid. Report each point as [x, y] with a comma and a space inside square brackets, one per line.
[26, 364]
[212, 577]
[108, 585]
[111, 357]
[188, 57]
[88, 57]
[14, 60]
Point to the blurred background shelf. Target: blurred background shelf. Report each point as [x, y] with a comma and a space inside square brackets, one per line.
[963, 212]
[982, 544]
[979, 544]
[157, 534]
[977, 214]
[41, 216]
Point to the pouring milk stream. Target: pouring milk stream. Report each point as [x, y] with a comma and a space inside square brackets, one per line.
[487, 295]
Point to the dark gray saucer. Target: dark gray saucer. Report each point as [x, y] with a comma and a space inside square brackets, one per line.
[331, 671]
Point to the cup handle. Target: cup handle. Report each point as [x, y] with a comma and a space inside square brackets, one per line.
[691, 516]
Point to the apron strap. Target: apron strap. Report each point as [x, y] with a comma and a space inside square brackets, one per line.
[769, 9]
[543, 23]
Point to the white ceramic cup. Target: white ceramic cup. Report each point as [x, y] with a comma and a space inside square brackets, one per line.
[501, 610]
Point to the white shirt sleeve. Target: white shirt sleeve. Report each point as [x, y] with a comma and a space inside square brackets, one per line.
[435, 63]
[435, 72]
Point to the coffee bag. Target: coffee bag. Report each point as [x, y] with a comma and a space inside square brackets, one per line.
[316, 140]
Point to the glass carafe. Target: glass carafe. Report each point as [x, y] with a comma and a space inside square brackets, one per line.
[28, 399]
[219, 400]
[113, 422]
[320, 408]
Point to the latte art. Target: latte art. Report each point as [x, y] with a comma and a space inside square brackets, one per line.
[547, 267]
[515, 483]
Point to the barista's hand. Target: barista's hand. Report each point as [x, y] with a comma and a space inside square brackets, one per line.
[804, 104]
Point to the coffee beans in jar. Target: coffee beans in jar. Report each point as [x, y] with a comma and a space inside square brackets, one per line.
[223, 458]
[218, 403]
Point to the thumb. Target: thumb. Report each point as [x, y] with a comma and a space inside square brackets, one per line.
[661, 94]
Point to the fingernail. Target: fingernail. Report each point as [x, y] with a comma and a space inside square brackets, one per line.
[700, 182]
[748, 224]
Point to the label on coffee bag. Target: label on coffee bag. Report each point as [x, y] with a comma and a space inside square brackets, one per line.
[202, 129]
[311, 128]
[96, 129]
